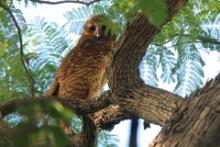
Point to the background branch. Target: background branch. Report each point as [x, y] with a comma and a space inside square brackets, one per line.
[85, 2]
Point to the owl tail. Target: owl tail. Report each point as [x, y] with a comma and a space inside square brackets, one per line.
[54, 89]
[89, 132]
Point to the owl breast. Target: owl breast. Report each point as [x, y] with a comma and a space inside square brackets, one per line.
[83, 71]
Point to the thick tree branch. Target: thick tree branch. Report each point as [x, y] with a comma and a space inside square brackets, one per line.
[128, 89]
[105, 115]
[108, 117]
[23, 60]
[196, 121]
[111, 113]
[84, 2]
[152, 104]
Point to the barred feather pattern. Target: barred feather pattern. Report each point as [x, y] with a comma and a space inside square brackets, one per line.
[83, 71]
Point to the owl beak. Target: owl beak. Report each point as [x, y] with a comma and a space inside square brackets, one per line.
[98, 35]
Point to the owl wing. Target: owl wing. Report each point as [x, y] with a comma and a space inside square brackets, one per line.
[61, 74]
[71, 76]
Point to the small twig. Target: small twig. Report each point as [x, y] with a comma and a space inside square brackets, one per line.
[24, 62]
[66, 1]
[11, 2]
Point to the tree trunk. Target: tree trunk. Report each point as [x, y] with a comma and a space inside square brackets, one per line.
[196, 122]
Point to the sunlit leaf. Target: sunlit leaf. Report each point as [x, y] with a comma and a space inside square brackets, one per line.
[155, 11]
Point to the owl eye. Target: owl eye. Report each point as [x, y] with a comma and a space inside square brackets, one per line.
[103, 27]
[92, 28]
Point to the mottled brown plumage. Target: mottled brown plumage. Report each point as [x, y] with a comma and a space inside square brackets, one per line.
[84, 69]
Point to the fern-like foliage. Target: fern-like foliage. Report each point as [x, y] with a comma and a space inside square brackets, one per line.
[180, 42]
[12, 76]
[154, 59]
[148, 67]
[76, 18]
[212, 28]
[189, 70]
[113, 9]
[46, 44]
[106, 139]
[167, 60]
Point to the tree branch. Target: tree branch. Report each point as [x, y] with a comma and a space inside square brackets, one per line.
[145, 101]
[84, 2]
[201, 39]
[129, 90]
[108, 117]
[80, 106]
[23, 61]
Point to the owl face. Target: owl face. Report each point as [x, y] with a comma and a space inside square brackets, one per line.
[98, 27]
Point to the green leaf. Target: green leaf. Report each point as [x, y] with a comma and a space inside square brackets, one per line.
[59, 112]
[59, 136]
[154, 10]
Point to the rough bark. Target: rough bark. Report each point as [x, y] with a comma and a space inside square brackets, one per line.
[125, 80]
[196, 123]
[105, 119]
[146, 106]
[152, 104]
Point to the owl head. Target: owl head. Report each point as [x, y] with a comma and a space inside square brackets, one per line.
[99, 26]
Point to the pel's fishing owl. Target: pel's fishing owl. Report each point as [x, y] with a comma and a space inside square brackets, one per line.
[83, 70]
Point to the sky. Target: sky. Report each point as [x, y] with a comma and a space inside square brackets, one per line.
[54, 13]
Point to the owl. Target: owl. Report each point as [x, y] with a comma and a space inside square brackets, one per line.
[84, 69]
